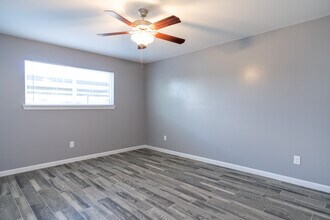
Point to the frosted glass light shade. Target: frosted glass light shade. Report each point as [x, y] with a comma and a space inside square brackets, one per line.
[142, 35]
[142, 38]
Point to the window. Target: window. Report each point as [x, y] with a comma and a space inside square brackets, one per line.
[55, 86]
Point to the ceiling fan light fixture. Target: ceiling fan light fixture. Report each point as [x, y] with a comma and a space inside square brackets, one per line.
[143, 35]
[143, 31]
[142, 38]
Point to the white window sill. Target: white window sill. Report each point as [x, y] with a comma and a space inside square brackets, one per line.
[66, 107]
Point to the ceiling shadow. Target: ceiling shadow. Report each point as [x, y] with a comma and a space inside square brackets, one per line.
[66, 14]
[237, 45]
[212, 30]
[239, 42]
[178, 2]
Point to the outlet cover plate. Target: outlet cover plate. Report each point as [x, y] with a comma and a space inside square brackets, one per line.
[296, 160]
[71, 144]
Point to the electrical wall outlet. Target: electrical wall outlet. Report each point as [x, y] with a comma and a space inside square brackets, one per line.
[296, 160]
[165, 138]
[71, 144]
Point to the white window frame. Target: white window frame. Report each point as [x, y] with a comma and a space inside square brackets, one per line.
[66, 107]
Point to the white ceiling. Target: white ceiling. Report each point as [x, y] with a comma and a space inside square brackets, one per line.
[75, 23]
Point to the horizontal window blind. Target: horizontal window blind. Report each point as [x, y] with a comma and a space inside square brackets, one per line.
[48, 84]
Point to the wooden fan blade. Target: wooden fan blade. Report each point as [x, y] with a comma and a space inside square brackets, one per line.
[166, 22]
[170, 38]
[119, 17]
[113, 33]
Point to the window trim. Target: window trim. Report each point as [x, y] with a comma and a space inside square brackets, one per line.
[66, 107]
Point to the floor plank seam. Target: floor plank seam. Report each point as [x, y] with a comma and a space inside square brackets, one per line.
[11, 193]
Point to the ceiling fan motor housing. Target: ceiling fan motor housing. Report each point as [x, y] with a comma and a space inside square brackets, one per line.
[141, 22]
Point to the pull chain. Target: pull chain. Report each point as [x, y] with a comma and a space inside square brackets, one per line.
[141, 58]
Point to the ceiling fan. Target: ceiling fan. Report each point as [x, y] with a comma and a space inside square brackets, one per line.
[144, 32]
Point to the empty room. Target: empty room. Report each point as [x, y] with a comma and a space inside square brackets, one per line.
[165, 109]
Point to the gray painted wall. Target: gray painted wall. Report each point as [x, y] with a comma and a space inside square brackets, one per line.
[34, 137]
[255, 102]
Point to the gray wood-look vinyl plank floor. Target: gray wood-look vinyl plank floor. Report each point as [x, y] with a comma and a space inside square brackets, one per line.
[146, 184]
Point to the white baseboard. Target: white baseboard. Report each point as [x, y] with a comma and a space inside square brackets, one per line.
[299, 182]
[311, 185]
[70, 160]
